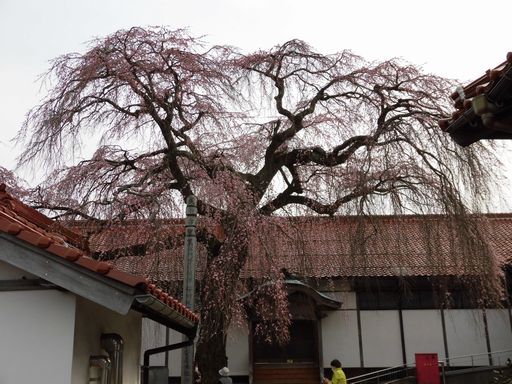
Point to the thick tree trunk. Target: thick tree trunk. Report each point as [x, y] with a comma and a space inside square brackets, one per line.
[218, 298]
[211, 353]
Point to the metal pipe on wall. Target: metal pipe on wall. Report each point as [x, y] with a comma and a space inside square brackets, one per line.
[112, 343]
[103, 364]
[153, 351]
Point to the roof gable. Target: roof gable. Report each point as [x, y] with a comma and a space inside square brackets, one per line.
[37, 244]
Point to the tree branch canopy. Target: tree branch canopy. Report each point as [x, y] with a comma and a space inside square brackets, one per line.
[334, 121]
[284, 131]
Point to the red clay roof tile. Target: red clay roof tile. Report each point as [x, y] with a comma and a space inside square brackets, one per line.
[320, 247]
[28, 225]
[34, 218]
[34, 238]
[10, 228]
[103, 267]
[64, 251]
[465, 124]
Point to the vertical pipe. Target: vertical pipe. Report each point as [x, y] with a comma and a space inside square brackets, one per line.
[487, 338]
[103, 363]
[402, 335]
[445, 340]
[189, 270]
[360, 336]
[112, 343]
[149, 352]
[507, 283]
[167, 342]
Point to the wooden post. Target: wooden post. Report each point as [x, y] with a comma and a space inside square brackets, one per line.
[189, 271]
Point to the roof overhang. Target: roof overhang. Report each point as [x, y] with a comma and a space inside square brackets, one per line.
[158, 311]
[109, 293]
[483, 108]
[322, 301]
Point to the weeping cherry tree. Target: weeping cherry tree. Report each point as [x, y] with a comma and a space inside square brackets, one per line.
[284, 131]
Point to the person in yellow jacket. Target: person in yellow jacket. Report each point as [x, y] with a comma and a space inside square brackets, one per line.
[338, 376]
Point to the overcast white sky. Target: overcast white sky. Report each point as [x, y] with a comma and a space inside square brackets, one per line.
[453, 38]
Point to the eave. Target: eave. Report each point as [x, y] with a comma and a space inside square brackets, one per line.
[483, 109]
[107, 292]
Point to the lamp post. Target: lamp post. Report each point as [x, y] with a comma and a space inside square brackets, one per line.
[189, 271]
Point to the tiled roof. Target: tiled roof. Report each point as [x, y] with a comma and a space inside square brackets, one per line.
[483, 107]
[322, 247]
[392, 246]
[29, 225]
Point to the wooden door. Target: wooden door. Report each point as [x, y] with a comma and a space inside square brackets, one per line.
[294, 363]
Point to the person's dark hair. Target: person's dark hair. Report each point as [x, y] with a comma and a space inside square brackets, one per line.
[336, 363]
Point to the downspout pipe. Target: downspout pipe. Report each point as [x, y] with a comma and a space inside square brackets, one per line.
[154, 351]
[112, 343]
[102, 362]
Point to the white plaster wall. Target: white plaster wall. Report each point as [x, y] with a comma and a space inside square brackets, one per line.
[380, 334]
[423, 333]
[153, 336]
[348, 299]
[36, 337]
[500, 334]
[340, 338]
[237, 350]
[174, 362]
[465, 334]
[91, 321]
[381, 338]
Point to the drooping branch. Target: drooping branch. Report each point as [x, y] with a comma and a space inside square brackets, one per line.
[249, 135]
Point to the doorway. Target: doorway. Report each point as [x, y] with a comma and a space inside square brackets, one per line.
[294, 363]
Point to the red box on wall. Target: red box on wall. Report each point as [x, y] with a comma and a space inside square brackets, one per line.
[427, 368]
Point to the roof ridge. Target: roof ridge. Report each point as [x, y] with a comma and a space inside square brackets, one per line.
[39, 219]
[31, 226]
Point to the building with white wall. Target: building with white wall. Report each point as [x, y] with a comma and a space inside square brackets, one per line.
[369, 339]
[392, 305]
[66, 318]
